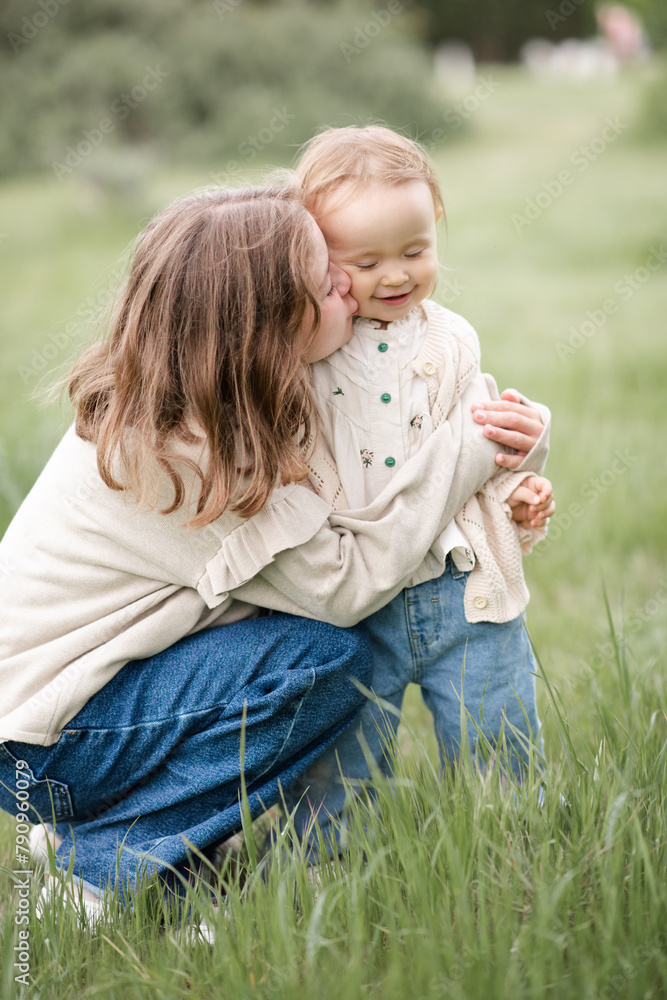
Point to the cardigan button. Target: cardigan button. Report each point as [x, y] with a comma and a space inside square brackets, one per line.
[383, 347]
[428, 368]
[480, 602]
[391, 462]
[385, 397]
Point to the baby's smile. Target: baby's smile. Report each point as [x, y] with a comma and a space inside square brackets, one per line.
[384, 238]
[395, 300]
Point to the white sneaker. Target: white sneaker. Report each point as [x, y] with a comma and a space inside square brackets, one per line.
[314, 873]
[90, 912]
[38, 840]
[89, 909]
[200, 933]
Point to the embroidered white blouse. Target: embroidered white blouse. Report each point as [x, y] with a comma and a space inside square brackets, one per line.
[374, 405]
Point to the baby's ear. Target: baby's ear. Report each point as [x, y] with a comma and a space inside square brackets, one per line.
[439, 212]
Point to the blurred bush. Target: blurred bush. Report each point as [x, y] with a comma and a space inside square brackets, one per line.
[654, 15]
[208, 80]
[653, 117]
[496, 30]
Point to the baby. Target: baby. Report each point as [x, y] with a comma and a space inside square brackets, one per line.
[377, 201]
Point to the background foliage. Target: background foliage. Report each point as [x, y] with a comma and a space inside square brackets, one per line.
[497, 29]
[463, 887]
[227, 69]
[226, 65]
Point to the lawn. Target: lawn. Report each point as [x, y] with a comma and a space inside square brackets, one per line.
[462, 887]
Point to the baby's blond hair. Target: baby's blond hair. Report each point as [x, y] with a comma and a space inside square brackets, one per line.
[345, 160]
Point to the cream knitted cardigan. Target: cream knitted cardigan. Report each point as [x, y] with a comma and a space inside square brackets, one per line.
[496, 590]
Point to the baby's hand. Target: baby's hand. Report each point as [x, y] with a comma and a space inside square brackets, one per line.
[532, 502]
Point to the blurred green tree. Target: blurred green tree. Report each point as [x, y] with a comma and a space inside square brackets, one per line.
[497, 29]
[203, 79]
[654, 15]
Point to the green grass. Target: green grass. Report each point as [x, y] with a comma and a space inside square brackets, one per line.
[461, 887]
[457, 887]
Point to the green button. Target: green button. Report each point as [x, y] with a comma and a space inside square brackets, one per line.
[391, 462]
[385, 397]
[383, 347]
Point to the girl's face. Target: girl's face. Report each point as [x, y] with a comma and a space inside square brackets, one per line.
[384, 238]
[331, 287]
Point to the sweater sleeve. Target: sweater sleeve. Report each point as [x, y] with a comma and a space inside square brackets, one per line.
[536, 459]
[471, 384]
[359, 560]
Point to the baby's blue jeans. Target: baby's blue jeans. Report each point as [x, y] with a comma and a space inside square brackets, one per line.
[422, 637]
[148, 773]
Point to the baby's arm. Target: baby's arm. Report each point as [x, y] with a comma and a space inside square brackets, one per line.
[519, 426]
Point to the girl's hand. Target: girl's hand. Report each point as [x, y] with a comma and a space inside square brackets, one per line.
[532, 502]
[511, 423]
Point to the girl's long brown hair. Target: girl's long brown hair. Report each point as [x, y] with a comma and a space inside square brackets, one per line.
[207, 335]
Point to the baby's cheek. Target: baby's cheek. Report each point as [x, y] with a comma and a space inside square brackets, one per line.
[342, 266]
[357, 289]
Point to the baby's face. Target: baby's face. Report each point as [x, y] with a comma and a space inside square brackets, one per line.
[384, 237]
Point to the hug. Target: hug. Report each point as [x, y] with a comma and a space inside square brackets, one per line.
[201, 578]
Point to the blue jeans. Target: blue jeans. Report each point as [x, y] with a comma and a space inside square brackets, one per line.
[153, 760]
[422, 637]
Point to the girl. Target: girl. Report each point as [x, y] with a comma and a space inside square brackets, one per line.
[175, 500]
[376, 198]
